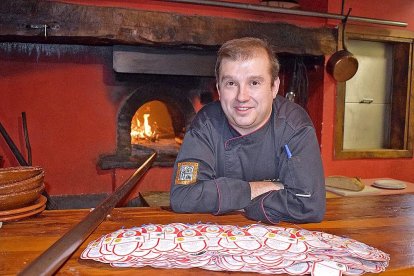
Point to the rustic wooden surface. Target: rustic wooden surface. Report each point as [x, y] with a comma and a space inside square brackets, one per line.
[155, 199]
[162, 198]
[384, 222]
[71, 23]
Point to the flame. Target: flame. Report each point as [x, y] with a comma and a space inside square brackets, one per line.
[147, 127]
[144, 131]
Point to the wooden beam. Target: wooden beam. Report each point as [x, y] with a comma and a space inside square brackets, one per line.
[185, 62]
[24, 21]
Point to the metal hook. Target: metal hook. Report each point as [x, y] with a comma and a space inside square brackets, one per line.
[345, 19]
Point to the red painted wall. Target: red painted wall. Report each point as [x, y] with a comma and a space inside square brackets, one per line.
[71, 113]
[71, 107]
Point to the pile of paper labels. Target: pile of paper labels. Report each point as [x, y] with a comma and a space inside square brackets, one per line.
[253, 248]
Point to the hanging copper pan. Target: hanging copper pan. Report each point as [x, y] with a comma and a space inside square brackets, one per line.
[342, 65]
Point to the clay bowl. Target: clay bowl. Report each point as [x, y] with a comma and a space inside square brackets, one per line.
[15, 174]
[20, 199]
[23, 185]
[19, 179]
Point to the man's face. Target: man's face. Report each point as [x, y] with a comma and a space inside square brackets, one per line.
[246, 92]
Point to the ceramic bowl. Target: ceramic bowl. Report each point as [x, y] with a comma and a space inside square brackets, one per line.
[20, 199]
[15, 174]
[19, 179]
[20, 186]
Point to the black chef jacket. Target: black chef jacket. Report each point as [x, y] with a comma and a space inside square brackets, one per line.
[215, 164]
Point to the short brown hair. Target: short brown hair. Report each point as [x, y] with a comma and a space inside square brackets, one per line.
[243, 49]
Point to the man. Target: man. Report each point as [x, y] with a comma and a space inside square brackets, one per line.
[253, 150]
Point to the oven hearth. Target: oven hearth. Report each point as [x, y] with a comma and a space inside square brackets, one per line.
[176, 100]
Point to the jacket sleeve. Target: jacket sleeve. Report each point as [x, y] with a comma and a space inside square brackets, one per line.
[204, 192]
[301, 172]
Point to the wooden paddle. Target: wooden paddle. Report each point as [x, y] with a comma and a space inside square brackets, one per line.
[56, 255]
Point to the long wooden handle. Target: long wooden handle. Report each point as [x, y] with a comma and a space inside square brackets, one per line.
[55, 256]
[13, 146]
[26, 139]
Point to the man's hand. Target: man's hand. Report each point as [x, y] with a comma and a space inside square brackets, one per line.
[261, 187]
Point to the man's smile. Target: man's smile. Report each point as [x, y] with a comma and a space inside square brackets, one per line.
[242, 108]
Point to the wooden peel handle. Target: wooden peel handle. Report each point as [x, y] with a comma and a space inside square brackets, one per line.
[56, 255]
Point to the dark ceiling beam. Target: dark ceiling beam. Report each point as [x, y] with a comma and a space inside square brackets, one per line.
[24, 21]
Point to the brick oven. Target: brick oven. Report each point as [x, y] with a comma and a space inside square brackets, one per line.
[167, 87]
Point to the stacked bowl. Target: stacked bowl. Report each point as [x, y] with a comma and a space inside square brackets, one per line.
[21, 192]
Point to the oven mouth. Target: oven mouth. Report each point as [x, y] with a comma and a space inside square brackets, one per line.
[156, 97]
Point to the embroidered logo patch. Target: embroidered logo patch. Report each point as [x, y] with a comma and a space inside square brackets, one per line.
[186, 173]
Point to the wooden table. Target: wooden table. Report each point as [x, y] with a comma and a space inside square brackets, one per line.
[159, 198]
[371, 190]
[384, 222]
